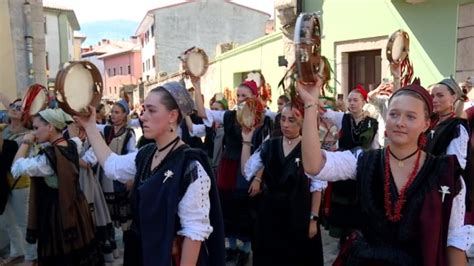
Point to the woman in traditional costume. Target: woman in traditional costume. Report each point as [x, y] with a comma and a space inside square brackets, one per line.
[233, 187]
[14, 218]
[356, 129]
[177, 216]
[287, 229]
[91, 188]
[413, 210]
[121, 140]
[59, 219]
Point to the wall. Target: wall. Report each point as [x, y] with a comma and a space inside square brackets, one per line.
[52, 43]
[203, 24]
[432, 28]
[7, 68]
[465, 43]
[119, 80]
[261, 54]
[148, 51]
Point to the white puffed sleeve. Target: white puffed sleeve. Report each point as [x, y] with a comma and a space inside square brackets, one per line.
[340, 165]
[121, 167]
[32, 166]
[78, 143]
[89, 157]
[194, 207]
[253, 165]
[214, 116]
[458, 146]
[317, 185]
[460, 236]
[334, 117]
[198, 131]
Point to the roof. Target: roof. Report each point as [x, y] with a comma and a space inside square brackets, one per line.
[71, 16]
[142, 27]
[108, 47]
[134, 49]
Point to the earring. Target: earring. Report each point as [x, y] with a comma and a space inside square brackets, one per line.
[385, 133]
[171, 129]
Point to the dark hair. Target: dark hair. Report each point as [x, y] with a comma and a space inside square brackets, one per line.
[284, 98]
[99, 107]
[414, 95]
[168, 101]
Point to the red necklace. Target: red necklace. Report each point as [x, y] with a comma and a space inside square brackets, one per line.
[394, 213]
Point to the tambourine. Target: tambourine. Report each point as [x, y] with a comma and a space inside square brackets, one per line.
[398, 47]
[250, 114]
[308, 47]
[35, 100]
[195, 62]
[77, 86]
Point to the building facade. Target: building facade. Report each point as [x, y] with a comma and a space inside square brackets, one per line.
[122, 72]
[59, 26]
[166, 32]
[22, 46]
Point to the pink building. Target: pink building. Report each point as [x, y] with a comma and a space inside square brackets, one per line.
[122, 69]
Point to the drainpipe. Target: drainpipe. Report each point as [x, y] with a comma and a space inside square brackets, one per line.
[28, 42]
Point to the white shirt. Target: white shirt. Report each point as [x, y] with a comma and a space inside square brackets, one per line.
[342, 165]
[458, 146]
[193, 217]
[218, 116]
[37, 165]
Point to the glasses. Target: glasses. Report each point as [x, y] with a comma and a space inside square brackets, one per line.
[15, 107]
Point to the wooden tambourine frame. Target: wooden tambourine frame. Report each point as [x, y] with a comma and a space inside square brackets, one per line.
[95, 88]
[307, 47]
[188, 55]
[250, 114]
[395, 53]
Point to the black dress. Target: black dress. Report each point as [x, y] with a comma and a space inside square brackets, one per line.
[283, 216]
[343, 214]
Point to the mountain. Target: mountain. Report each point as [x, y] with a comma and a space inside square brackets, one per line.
[110, 29]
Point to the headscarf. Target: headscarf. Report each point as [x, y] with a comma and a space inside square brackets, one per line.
[181, 96]
[418, 89]
[124, 104]
[453, 85]
[224, 103]
[361, 90]
[252, 85]
[56, 117]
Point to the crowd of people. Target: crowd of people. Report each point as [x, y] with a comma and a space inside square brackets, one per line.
[393, 182]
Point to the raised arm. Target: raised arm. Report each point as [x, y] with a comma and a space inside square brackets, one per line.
[198, 100]
[4, 100]
[313, 159]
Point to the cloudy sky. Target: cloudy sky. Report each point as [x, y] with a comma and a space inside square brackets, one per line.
[99, 10]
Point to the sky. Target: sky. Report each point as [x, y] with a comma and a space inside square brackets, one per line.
[134, 10]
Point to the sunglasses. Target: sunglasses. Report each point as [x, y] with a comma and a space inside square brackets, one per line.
[15, 107]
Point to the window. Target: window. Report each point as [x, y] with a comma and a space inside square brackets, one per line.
[45, 25]
[110, 72]
[152, 30]
[365, 69]
[110, 90]
[129, 70]
[115, 90]
[47, 61]
[153, 61]
[114, 72]
[143, 66]
[121, 72]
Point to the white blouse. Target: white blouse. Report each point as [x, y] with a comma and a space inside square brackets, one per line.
[255, 164]
[193, 215]
[458, 146]
[37, 165]
[342, 165]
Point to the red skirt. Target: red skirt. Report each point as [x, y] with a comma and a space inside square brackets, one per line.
[227, 174]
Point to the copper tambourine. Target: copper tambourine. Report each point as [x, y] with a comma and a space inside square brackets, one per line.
[398, 47]
[77, 86]
[250, 114]
[35, 100]
[195, 62]
[308, 47]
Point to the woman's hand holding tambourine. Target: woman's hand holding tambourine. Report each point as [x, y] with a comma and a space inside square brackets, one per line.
[87, 121]
[196, 81]
[309, 92]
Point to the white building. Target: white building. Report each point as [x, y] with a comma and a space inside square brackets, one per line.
[166, 32]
